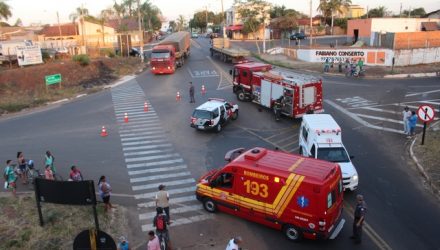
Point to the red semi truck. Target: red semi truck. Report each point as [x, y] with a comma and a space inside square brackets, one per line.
[170, 53]
[259, 83]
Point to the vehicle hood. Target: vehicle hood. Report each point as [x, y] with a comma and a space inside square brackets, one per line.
[204, 178]
[347, 169]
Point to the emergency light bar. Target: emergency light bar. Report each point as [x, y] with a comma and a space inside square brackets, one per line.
[336, 131]
[216, 99]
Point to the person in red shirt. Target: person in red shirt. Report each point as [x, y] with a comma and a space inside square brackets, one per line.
[48, 173]
[75, 174]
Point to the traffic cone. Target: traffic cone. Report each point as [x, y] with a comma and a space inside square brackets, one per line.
[125, 117]
[145, 107]
[178, 96]
[103, 132]
[203, 90]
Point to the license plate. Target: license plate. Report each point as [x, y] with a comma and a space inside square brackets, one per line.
[200, 127]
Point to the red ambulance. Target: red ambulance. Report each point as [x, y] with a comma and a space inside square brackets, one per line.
[298, 195]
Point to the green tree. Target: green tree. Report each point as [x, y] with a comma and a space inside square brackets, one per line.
[380, 11]
[18, 22]
[199, 19]
[180, 23]
[5, 10]
[331, 7]
[128, 4]
[172, 25]
[419, 12]
[150, 16]
[252, 13]
[79, 12]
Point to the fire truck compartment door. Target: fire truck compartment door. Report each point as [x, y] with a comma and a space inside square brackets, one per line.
[266, 90]
[277, 91]
[309, 95]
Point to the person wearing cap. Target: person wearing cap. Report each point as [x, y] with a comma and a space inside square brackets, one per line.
[234, 243]
[359, 218]
[191, 93]
[162, 201]
[123, 244]
[406, 113]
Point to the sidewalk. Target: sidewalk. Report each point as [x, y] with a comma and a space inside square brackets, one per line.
[423, 70]
[427, 157]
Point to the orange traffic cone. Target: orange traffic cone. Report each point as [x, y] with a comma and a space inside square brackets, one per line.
[178, 96]
[203, 90]
[145, 107]
[103, 132]
[125, 117]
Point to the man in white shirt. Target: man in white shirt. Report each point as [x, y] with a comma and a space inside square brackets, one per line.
[162, 200]
[234, 243]
[406, 113]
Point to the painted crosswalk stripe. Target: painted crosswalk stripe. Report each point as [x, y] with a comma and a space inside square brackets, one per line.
[143, 137]
[384, 119]
[173, 211]
[156, 163]
[149, 158]
[144, 125]
[140, 120]
[130, 130]
[157, 170]
[137, 112]
[143, 142]
[131, 135]
[159, 177]
[146, 147]
[170, 192]
[173, 201]
[181, 221]
[148, 152]
[169, 184]
[130, 109]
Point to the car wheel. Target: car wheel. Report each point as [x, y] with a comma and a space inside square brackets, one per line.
[235, 115]
[218, 128]
[292, 233]
[209, 205]
[241, 96]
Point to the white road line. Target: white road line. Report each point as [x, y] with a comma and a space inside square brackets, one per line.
[359, 120]
[140, 134]
[382, 110]
[179, 210]
[137, 112]
[154, 124]
[432, 103]
[128, 130]
[169, 184]
[170, 192]
[412, 106]
[139, 119]
[172, 201]
[149, 158]
[145, 115]
[128, 98]
[423, 93]
[167, 150]
[189, 71]
[181, 221]
[130, 109]
[143, 138]
[159, 177]
[157, 170]
[156, 163]
[358, 102]
[383, 119]
[142, 142]
[147, 147]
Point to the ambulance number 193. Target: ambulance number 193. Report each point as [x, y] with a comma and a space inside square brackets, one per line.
[254, 188]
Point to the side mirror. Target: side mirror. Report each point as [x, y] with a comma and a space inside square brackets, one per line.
[213, 183]
[230, 72]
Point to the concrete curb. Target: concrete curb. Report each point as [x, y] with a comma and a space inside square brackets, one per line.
[421, 168]
[414, 75]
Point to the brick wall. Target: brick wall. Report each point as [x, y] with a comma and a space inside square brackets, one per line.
[414, 40]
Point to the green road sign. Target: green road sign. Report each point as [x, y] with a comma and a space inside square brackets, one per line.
[53, 79]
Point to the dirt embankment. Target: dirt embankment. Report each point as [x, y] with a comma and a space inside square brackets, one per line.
[22, 88]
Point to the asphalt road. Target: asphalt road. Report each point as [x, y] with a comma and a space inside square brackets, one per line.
[402, 214]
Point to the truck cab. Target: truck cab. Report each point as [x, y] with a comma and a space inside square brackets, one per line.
[163, 60]
[320, 137]
[242, 75]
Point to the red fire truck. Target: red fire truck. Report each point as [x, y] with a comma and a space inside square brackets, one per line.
[258, 82]
[301, 196]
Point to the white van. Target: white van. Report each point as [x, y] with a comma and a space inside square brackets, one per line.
[320, 137]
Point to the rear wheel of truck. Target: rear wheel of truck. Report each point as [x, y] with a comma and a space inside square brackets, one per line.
[241, 96]
[292, 233]
[209, 205]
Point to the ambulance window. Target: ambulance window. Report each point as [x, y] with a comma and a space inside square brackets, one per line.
[215, 113]
[305, 133]
[225, 180]
[244, 74]
[331, 199]
[313, 151]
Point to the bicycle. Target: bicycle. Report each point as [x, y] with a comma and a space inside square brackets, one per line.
[162, 239]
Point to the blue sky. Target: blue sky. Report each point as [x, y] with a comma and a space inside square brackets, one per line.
[44, 11]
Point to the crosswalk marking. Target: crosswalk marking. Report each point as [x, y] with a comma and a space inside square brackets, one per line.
[151, 160]
[384, 119]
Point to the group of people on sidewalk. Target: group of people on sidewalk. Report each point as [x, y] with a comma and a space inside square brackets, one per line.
[351, 67]
[409, 122]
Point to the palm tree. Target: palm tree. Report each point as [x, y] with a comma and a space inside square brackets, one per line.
[104, 16]
[5, 11]
[180, 22]
[149, 12]
[329, 7]
[380, 11]
[128, 4]
[79, 13]
[119, 11]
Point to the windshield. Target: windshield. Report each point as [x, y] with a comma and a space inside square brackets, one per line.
[160, 54]
[202, 114]
[333, 154]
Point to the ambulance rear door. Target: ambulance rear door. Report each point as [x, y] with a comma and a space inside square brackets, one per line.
[226, 197]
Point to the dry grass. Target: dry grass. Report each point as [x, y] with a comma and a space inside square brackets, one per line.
[19, 224]
[428, 155]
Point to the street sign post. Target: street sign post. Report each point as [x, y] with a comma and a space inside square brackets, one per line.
[53, 79]
[426, 114]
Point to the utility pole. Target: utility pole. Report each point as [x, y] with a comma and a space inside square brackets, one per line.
[141, 33]
[264, 29]
[206, 17]
[82, 29]
[400, 11]
[409, 12]
[367, 11]
[59, 29]
[223, 24]
[311, 24]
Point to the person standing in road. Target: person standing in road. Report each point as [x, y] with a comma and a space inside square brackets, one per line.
[360, 64]
[105, 192]
[406, 114]
[22, 167]
[10, 178]
[326, 65]
[234, 243]
[153, 241]
[359, 218]
[49, 159]
[412, 122]
[162, 201]
[191, 93]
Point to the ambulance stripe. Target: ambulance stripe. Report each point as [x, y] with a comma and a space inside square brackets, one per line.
[286, 194]
[283, 190]
[298, 183]
[296, 164]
